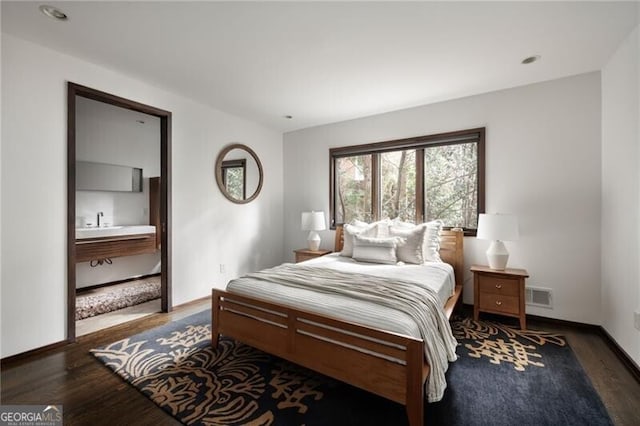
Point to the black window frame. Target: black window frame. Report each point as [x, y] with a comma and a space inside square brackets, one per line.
[418, 143]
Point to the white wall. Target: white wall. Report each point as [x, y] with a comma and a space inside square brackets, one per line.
[543, 164]
[109, 134]
[621, 194]
[1, 182]
[208, 230]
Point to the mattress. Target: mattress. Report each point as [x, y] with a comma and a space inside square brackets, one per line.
[438, 277]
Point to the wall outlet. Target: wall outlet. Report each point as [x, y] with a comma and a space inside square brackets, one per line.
[636, 320]
[223, 268]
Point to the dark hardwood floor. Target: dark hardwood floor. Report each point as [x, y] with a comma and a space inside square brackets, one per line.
[92, 395]
[617, 387]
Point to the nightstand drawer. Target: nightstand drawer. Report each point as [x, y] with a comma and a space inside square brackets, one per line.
[304, 254]
[500, 286]
[303, 257]
[500, 303]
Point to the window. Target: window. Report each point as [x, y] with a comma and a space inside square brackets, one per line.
[416, 179]
[234, 176]
[353, 180]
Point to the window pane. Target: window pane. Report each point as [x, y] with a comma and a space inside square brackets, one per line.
[234, 182]
[451, 184]
[398, 185]
[353, 188]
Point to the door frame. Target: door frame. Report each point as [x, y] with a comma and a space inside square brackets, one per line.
[74, 90]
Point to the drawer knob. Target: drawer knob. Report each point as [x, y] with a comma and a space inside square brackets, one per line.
[498, 302]
[498, 286]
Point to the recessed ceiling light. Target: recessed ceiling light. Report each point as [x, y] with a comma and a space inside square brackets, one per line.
[531, 59]
[53, 12]
[288, 117]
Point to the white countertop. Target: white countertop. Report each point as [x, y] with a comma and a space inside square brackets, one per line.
[111, 231]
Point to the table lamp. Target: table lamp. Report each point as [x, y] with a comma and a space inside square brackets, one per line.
[498, 228]
[312, 222]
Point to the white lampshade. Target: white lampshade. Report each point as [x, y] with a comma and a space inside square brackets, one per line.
[313, 221]
[502, 227]
[498, 228]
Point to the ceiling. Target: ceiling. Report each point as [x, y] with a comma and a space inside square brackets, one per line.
[323, 62]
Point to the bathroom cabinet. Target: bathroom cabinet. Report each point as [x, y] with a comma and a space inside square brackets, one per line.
[88, 249]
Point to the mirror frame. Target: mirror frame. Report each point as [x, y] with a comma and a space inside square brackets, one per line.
[219, 178]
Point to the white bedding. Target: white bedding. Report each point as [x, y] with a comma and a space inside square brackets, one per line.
[437, 276]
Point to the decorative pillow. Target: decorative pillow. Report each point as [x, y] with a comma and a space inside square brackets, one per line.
[359, 223]
[382, 226]
[352, 230]
[397, 223]
[375, 250]
[431, 243]
[412, 251]
[431, 248]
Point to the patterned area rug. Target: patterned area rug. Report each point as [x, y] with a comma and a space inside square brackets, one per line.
[503, 376]
[120, 296]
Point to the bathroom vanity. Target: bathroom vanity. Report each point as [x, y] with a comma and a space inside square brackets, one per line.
[114, 241]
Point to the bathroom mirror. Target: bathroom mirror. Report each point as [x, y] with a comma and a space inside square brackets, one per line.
[107, 177]
[239, 173]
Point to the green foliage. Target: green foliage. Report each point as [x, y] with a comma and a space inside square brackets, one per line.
[354, 188]
[450, 185]
[234, 181]
[398, 181]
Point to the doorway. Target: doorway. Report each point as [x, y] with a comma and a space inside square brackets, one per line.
[159, 195]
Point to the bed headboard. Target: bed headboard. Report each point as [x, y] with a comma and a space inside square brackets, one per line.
[451, 249]
[452, 252]
[339, 239]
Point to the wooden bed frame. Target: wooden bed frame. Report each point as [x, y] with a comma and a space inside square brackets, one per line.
[348, 352]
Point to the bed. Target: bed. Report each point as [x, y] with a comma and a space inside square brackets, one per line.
[386, 363]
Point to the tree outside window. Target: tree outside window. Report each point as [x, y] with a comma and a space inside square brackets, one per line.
[416, 179]
[353, 180]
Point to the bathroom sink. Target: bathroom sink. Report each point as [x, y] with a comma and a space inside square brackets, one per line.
[111, 231]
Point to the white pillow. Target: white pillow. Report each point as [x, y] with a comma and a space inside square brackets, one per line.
[375, 250]
[397, 223]
[431, 242]
[352, 230]
[382, 230]
[359, 223]
[412, 251]
[431, 248]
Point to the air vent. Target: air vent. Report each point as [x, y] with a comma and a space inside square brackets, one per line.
[536, 296]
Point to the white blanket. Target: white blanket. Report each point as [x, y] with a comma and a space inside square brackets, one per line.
[412, 299]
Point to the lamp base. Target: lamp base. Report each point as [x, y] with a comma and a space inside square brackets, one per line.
[497, 255]
[313, 240]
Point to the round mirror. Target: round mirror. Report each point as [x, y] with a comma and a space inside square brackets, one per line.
[239, 173]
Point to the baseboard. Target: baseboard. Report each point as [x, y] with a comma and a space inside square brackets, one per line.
[12, 359]
[621, 354]
[573, 324]
[192, 302]
[96, 286]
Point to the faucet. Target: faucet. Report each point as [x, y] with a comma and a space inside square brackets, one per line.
[100, 214]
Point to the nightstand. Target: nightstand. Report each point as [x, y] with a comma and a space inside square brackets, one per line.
[499, 292]
[306, 254]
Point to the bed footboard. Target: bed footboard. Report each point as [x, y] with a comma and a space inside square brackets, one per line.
[384, 363]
